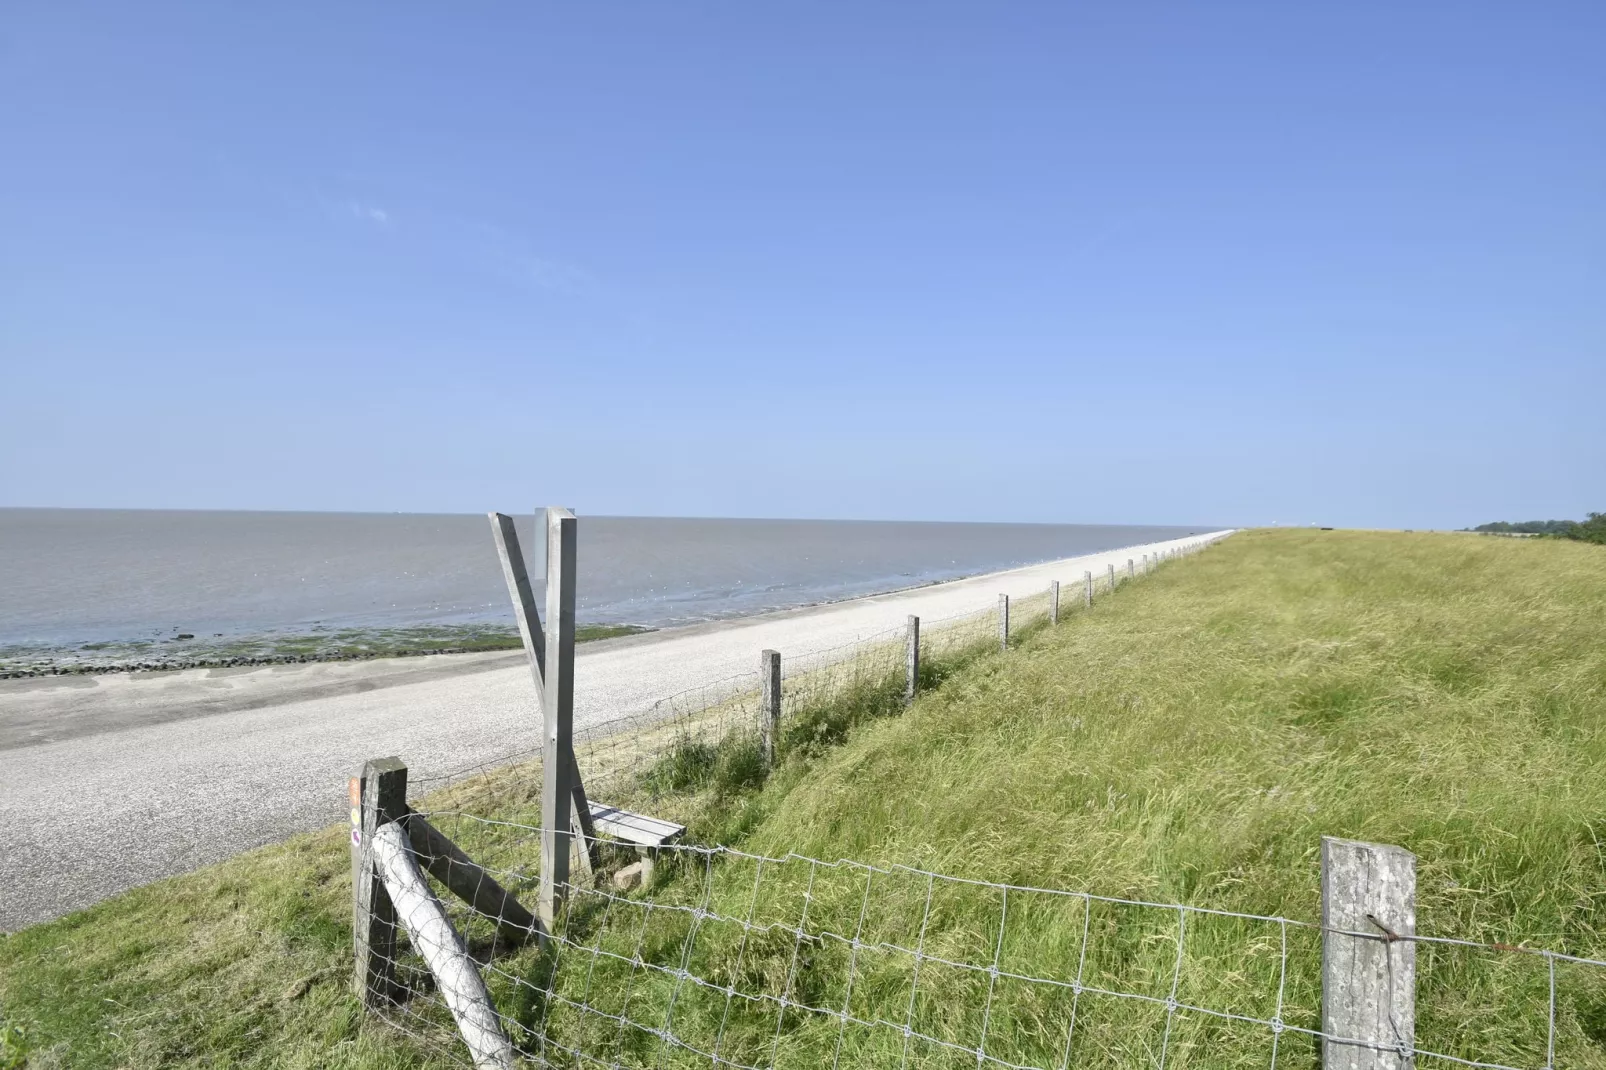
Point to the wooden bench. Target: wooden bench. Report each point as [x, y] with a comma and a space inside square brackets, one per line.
[645, 834]
[639, 830]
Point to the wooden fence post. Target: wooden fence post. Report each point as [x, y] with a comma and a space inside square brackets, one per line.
[557, 709]
[911, 660]
[1087, 598]
[1368, 980]
[1112, 577]
[1130, 572]
[378, 796]
[1054, 602]
[533, 634]
[1003, 622]
[456, 975]
[769, 704]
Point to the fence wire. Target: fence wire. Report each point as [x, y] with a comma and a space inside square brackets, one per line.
[736, 959]
[746, 961]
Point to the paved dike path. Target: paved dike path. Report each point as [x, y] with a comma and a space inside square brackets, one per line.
[109, 782]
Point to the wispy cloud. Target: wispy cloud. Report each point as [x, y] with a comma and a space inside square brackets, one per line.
[510, 255]
[370, 213]
[456, 242]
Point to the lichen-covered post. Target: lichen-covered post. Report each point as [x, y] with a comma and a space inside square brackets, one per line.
[1003, 622]
[769, 704]
[378, 796]
[911, 660]
[1368, 958]
[1087, 597]
[1054, 602]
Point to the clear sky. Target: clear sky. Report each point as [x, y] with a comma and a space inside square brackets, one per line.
[1238, 263]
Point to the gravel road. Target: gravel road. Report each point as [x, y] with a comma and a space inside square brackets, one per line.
[114, 781]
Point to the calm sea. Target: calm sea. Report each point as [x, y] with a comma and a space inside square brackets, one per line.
[74, 576]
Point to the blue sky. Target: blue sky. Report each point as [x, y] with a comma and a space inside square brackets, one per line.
[1235, 263]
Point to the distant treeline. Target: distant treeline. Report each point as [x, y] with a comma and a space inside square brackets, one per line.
[1591, 530]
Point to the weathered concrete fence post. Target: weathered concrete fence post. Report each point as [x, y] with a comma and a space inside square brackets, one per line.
[378, 795]
[911, 660]
[1003, 622]
[769, 704]
[1054, 602]
[1368, 958]
[1087, 598]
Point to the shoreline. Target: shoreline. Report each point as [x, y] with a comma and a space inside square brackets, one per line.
[208, 763]
[285, 648]
[362, 644]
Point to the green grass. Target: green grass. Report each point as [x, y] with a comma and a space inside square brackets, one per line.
[1188, 740]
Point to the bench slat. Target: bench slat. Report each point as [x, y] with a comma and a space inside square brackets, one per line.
[638, 829]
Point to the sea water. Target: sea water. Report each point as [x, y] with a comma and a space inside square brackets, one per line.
[70, 576]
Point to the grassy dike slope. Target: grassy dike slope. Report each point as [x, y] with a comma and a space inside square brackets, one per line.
[1192, 739]
[1189, 739]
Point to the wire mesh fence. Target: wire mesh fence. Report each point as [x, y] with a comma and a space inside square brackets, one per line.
[686, 735]
[728, 958]
[736, 959]
[747, 961]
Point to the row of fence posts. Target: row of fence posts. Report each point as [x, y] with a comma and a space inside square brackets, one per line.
[1368, 891]
[769, 661]
[1368, 918]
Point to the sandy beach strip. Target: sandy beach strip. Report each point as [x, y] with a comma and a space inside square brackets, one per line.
[110, 782]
